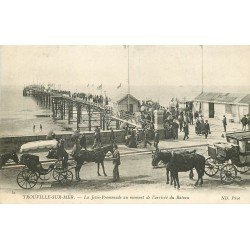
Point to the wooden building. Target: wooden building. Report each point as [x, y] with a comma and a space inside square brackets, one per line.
[128, 103]
[215, 105]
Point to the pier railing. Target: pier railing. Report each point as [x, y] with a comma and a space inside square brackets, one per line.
[85, 114]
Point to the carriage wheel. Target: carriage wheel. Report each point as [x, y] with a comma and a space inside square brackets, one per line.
[228, 174]
[243, 169]
[65, 177]
[211, 168]
[57, 170]
[56, 173]
[27, 179]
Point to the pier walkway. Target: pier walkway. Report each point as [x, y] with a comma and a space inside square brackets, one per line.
[74, 110]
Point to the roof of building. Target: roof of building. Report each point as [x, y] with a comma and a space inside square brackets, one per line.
[126, 96]
[246, 99]
[239, 135]
[230, 98]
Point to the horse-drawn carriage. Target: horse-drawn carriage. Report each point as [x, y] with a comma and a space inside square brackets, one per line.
[34, 170]
[229, 158]
[60, 170]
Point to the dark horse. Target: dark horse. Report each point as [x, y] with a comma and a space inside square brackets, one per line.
[180, 162]
[97, 155]
[8, 156]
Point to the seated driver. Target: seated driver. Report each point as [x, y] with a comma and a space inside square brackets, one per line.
[62, 153]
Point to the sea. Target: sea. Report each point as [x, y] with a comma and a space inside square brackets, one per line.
[18, 114]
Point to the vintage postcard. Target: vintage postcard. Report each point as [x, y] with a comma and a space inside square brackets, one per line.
[125, 124]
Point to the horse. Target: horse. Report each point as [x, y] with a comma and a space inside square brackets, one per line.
[191, 173]
[97, 155]
[8, 156]
[180, 162]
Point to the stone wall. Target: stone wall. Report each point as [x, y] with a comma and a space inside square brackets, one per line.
[14, 143]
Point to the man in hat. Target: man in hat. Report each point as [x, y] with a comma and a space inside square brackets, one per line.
[51, 135]
[156, 139]
[206, 129]
[175, 128]
[116, 162]
[244, 122]
[62, 153]
[202, 124]
[83, 141]
[97, 138]
[186, 130]
[112, 136]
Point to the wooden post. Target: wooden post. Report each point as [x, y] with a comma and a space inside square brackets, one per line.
[69, 112]
[64, 109]
[53, 107]
[61, 109]
[78, 119]
[101, 120]
[49, 100]
[89, 115]
[44, 100]
[56, 106]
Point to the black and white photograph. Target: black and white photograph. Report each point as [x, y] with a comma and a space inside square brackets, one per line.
[125, 124]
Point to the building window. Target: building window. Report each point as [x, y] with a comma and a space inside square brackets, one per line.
[228, 108]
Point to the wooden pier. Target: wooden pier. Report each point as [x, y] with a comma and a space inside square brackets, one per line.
[74, 111]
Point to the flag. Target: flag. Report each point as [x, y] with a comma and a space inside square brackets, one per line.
[119, 85]
[99, 87]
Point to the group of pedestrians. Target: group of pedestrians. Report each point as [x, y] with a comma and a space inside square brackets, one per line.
[34, 128]
[97, 99]
[245, 121]
[133, 137]
[202, 126]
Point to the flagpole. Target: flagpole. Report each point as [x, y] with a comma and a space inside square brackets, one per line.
[202, 69]
[128, 81]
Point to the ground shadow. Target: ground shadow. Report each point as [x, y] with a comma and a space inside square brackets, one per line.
[106, 184]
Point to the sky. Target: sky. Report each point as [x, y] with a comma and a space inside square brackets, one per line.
[73, 67]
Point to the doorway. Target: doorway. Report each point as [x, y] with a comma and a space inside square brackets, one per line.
[131, 108]
[211, 110]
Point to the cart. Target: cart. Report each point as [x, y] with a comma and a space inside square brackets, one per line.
[229, 158]
[34, 170]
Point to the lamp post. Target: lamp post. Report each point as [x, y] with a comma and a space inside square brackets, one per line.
[202, 69]
[128, 81]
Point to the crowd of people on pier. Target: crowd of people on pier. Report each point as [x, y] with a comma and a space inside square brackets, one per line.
[97, 99]
[61, 92]
[87, 97]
